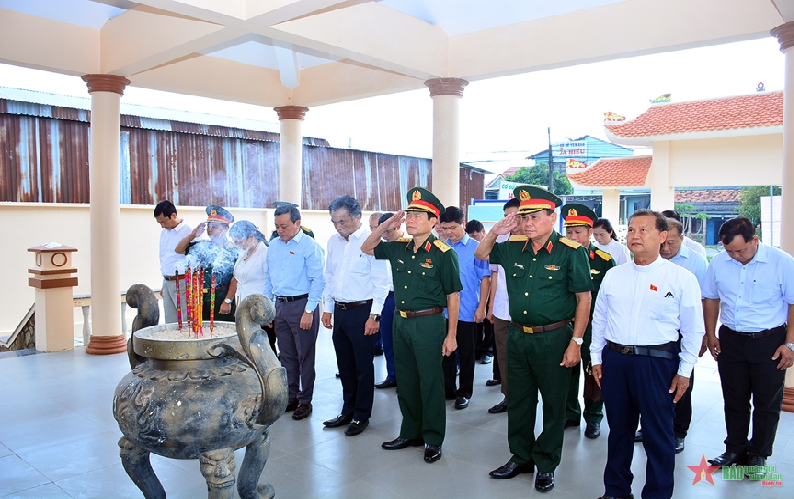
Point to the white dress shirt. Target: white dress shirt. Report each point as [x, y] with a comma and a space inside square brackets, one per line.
[619, 252]
[753, 297]
[648, 305]
[170, 260]
[501, 304]
[351, 275]
[694, 246]
[693, 262]
[250, 274]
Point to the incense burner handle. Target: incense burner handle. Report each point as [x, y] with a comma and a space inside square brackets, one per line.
[141, 297]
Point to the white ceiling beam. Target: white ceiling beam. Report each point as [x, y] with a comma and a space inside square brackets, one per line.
[287, 65]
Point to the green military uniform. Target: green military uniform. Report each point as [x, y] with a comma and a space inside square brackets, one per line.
[600, 262]
[423, 277]
[541, 289]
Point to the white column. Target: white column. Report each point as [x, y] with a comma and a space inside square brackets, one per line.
[785, 35]
[446, 94]
[290, 172]
[658, 179]
[106, 334]
[610, 205]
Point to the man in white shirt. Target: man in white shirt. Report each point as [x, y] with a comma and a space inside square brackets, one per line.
[172, 264]
[639, 312]
[751, 287]
[356, 287]
[686, 241]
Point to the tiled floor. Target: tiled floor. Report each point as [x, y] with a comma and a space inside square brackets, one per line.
[58, 439]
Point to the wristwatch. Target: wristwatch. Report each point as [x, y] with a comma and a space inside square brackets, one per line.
[577, 340]
[309, 311]
[227, 300]
[789, 345]
[375, 317]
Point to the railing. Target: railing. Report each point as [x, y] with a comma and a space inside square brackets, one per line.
[84, 302]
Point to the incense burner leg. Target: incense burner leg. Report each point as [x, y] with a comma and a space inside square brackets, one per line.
[217, 466]
[136, 463]
[256, 454]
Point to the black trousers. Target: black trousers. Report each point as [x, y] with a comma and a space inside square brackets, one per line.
[683, 410]
[485, 343]
[747, 369]
[354, 353]
[466, 338]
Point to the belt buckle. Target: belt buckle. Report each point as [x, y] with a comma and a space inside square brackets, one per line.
[529, 329]
[403, 314]
[626, 350]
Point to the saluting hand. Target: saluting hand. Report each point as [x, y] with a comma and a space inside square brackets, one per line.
[198, 231]
[505, 225]
[395, 221]
[786, 356]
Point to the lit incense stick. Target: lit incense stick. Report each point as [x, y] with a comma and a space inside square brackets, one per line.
[178, 301]
[212, 304]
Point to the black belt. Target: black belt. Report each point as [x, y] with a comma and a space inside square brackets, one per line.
[662, 351]
[541, 329]
[759, 334]
[391, 293]
[291, 298]
[351, 304]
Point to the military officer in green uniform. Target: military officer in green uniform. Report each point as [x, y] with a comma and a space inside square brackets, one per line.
[548, 285]
[579, 220]
[426, 280]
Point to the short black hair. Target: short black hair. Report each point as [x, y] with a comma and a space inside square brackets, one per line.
[672, 214]
[294, 212]
[739, 226]
[474, 226]
[675, 224]
[352, 206]
[165, 208]
[512, 203]
[385, 217]
[453, 214]
[661, 220]
[604, 223]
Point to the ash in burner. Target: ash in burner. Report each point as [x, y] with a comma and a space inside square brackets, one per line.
[174, 334]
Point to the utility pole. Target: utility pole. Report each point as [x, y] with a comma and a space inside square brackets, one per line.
[551, 165]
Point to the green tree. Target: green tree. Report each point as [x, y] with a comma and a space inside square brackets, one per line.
[539, 175]
[685, 210]
[750, 201]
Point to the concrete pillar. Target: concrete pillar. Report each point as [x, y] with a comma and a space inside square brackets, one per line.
[785, 35]
[446, 94]
[658, 179]
[610, 205]
[106, 334]
[54, 283]
[290, 171]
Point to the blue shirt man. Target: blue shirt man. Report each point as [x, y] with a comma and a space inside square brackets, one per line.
[295, 280]
[475, 275]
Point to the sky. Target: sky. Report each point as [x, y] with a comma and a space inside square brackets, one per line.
[501, 114]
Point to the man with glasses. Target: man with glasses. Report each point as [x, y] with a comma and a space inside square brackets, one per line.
[548, 284]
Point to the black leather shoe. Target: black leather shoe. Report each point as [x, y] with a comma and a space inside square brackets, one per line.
[638, 436]
[356, 427]
[338, 421]
[544, 482]
[402, 443]
[291, 406]
[461, 403]
[500, 407]
[631, 496]
[570, 423]
[679, 445]
[486, 359]
[386, 383]
[754, 460]
[511, 469]
[493, 382]
[593, 430]
[727, 459]
[378, 352]
[302, 411]
[432, 453]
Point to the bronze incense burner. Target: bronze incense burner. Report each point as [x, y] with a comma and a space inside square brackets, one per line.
[200, 398]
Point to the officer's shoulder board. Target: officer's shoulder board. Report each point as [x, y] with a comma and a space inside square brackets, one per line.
[603, 254]
[444, 247]
[569, 243]
[404, 240]
[518, 238]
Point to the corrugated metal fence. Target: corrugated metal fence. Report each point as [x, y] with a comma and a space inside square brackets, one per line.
[44, 158]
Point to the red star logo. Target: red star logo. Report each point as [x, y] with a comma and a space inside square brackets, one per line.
[703, 470]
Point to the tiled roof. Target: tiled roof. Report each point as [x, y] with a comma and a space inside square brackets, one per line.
[746, 111]
[510, 171]
[708, 196]
[629, 171]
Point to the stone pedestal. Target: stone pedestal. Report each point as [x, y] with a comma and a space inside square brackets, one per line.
[54, 282]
